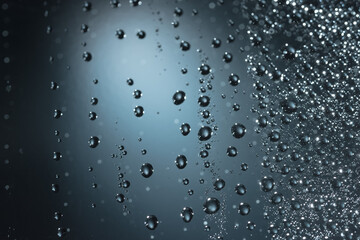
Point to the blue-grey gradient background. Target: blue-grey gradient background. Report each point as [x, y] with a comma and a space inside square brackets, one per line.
[28, 206]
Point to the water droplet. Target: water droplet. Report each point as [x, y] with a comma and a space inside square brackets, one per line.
[219, 184]
[236, 107]
[146, 170]
[267, 184]
[204, 133]
[178, 11]
[231, 151]
[141, 34]
[184, 45]
[185, 129]
[57, 156]
[94, 101]
[57, 216]
[84, 28]
[137, 94]
[227, 57]
[92, 116]
[87, 56]
[262, 121]
[54, 85]
[238, 130]
[57, 113]
[244, 209]
[179, 97]
[54, 187]
[120, 198]
[151, 222]
[250, 225]
[204, 69]
[204, 101]
[181, 161]
[187, 214]
[289, 106]
[130, 81]
[276, 198]
[240, 189]
[86, 6]
[186, 181]
[216, 43]
[234, 79]
[139, 111]
[274, 136]
[211, 205]
[120, 34]
[94, 141]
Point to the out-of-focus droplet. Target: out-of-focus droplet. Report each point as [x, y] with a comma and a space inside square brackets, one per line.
[86, 6]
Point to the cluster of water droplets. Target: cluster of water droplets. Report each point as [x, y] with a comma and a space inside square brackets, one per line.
[306, 84]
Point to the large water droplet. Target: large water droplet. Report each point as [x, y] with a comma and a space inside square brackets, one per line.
[231, 151]
[181, 161]
[267, 184]
[240, 189]
[187, 214]
[219, 184]
[244, 209]
[204, 101]
[94, 141]
[146, 170]
[139, 111]
[120, 198]
[238, 130]
[179, 97]
[184, 45]
[151, 222]
[211, 205]
[185, 129]
[205, 133]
